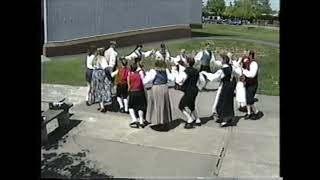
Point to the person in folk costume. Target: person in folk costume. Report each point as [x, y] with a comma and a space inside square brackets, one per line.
[188, 78]
[138, 55]
[163, 53]
[158, 104]
[205, 57]
[101, 81]
[225, 106]
[250, 72]
[240, 86]
[89, 70]
[122, 86]
[137, 97]
[111, 56]
[180, 60]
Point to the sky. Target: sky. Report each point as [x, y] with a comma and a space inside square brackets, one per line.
[275, 4]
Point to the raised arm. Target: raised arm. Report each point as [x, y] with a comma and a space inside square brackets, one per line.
[213, 76]
[171, 76]
[149, 76]
[147, 53]
[198, 56]
[253, 70]
[131, 56]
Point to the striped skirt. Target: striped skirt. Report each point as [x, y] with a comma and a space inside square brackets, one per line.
[158, 105]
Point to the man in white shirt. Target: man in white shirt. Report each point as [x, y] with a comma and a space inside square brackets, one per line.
[163, 53]
[205, 57]
[111, 56]
[250, 71]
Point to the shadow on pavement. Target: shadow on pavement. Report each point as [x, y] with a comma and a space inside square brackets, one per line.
[69, 165]
[58, 134]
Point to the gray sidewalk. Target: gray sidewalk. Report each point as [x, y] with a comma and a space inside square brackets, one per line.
[249, 149]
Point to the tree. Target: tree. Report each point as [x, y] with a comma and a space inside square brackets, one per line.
[216, 6]
[264, 7]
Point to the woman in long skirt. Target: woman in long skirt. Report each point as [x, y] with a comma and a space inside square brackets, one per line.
[158, 105]
[225, 107]
[101, 82]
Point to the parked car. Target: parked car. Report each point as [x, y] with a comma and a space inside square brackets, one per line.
[235, 22]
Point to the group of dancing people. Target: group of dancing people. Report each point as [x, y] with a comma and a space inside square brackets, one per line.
[144, 95]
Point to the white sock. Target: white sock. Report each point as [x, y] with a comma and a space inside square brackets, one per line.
[125, 101]
[133, 115]
[119, 99]
[254, 109]
[101, 105]
[88, 92]
[140, 116]
[189, 118]
[195, 116]
[248, 109]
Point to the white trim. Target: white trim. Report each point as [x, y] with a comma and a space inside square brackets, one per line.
[119, 33]
[45, 21]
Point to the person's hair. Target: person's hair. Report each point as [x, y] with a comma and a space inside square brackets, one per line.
[138, 46]
[100, 51]
[190, 61]
[91, 50]
[162, 45]
[225, 58]
[251, 54]
[160, 65]
[124, 62]
[133, 67]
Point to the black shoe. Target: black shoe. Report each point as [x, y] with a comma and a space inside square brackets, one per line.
[257, 115]
[134, 125]
[188, 126]
[104, 110]
[87, 103]
[122, 110]
[99, 109]
[142, 125]
[242, 109]
[146, 123]
[248, 116]
[219, 121]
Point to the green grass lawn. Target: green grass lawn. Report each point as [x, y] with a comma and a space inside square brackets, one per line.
[250, 32]
[72, 71]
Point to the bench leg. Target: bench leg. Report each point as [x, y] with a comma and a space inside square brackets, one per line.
[63, 119]
[44, 135]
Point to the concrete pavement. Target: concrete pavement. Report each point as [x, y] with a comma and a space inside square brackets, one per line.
[249, 149]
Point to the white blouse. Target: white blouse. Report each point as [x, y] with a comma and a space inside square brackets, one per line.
[151, 75]
[111, 57]
[200, 54]
[134, 55]
[89, 61]
[158, 56]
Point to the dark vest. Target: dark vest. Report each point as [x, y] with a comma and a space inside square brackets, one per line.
[227, 71]
[161, 78]
[205, 60]
[250, 81]
[192, 78]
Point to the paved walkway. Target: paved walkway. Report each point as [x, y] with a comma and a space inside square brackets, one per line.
[106, 144]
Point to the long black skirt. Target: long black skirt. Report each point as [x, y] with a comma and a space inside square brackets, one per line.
[251, 92]
[189, 99]
[137, 100]
[225, 106]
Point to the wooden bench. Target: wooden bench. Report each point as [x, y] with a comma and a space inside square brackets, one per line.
[51, 114]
